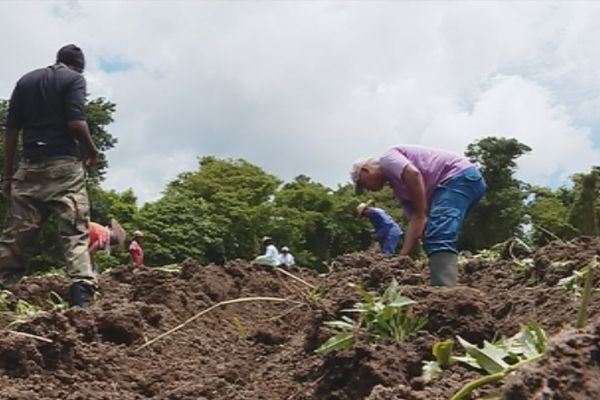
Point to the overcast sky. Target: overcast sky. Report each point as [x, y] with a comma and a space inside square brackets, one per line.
[306, 87]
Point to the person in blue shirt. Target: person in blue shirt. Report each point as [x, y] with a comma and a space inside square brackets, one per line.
[385, 230]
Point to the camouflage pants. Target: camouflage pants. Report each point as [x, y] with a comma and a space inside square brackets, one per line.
[38, 190]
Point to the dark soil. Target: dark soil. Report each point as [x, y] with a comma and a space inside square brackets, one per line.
[265, 349]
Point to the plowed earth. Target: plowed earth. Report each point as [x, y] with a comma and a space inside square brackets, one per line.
[265, 349]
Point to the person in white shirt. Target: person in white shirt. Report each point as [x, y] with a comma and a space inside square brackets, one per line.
[271, 254]
[286, 258]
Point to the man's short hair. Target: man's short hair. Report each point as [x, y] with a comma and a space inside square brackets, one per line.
[72, 56]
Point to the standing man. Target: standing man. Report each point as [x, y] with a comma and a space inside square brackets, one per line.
[437, 189]
[385, 230]
[135, 250]
[47, 106]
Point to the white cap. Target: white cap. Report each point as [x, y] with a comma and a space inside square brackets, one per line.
[355, 173]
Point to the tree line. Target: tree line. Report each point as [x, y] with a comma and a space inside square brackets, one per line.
[220, 211]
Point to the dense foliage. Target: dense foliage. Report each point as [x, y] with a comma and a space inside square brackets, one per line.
[221, 210]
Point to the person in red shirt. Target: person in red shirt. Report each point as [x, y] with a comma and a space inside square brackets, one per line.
[135, 250]
[102, 237]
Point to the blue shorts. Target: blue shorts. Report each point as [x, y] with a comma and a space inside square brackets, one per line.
[451, 202]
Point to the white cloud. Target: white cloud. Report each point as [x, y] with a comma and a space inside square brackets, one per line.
[307, 87]
[515, 107]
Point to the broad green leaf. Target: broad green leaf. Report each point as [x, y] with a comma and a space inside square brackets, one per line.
[467, 359]
[340, 341]
[431, 370]
[531, 340]
[367, 297]
[341, 325]
[392, 292]
[490, 358]
[402, 301]
[442, 351]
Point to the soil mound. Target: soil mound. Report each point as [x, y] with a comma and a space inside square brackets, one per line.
[264, 348]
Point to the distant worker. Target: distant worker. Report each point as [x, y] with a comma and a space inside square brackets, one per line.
[385, 230]
[270, 254]
[102, 237]
[437, 189]
[48, 107]
[135, 250]
[286, 258]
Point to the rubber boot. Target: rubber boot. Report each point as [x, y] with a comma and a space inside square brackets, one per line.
[444, 270]
[80, 294]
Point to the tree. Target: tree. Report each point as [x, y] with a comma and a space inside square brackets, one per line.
[235, 192]
[108, 204]
[501, 212]
[584, 214]
[99, 114]
[177, 227]
[548, 211]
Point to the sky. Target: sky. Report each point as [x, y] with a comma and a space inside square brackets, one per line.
[307, 87]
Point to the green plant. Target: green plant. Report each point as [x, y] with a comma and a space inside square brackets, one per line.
[587, 292]
[381, 318]
[26, 309]
[573, 282]
[170, 267]
[313, 294]
[105, 261]
[51, 271]
[4, 300]
[57, 302]
[496, 360]
[240, 328]
[442, 351]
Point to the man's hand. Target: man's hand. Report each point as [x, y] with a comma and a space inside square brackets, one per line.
[10, 149]
[413, 180]
[90, 159]
[414, 233]
[6, 188]
[81, 132]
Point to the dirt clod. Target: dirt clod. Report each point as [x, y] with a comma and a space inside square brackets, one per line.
[265, 350]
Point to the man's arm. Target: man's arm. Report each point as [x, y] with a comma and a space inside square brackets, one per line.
[413, 180]
[10, 151]
[14, 123]
[81, 131]
[77, 126]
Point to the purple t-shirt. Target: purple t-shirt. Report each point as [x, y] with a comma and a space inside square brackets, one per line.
[436, 166]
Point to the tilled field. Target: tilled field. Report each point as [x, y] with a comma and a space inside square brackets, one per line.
[265, 349]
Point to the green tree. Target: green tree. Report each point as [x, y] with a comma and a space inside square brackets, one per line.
[177, 227]
[307, 206]
[549, 214]
[99, 114]
[235, 192]
[501, 212]
[584, 214]
[108, 204]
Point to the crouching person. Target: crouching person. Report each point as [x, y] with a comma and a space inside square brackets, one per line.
[437, 189]
[385, 230]
[270, 256]
[102, 237]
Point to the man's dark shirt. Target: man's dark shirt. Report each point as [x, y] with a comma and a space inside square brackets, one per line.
[42, 104]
